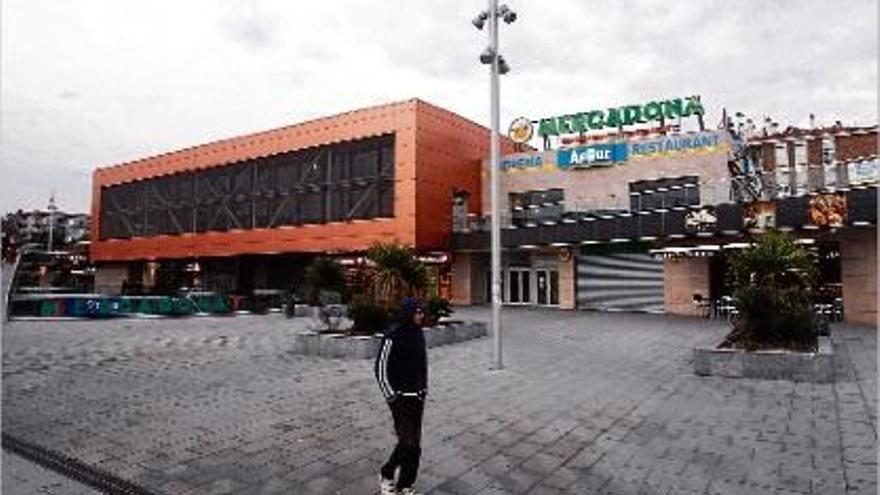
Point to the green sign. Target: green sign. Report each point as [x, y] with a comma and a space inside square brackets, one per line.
[618, 117]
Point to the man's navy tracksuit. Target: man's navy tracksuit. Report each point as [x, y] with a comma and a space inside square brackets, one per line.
[402, 372]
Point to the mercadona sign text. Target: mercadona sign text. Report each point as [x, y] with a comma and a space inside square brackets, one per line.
[618, 117]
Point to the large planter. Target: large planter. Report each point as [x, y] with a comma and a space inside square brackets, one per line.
[308, 343]
[814, 367]
[340, 346]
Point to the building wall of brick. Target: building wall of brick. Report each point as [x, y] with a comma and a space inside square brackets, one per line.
[854, 146]
[814, 151]
[682, 278]
[858, 262]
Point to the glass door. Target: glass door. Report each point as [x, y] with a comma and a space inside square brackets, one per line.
[547, 282]
[519, 287]
[543, 286]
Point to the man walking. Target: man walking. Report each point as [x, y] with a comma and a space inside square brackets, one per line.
[402, 372]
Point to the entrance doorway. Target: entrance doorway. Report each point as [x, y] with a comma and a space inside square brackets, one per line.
[547, 286]
[519, 286]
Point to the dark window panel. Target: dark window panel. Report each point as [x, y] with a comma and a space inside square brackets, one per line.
[386, 200]
[312, 207]
[338, 204]
[363, 202]
[365, 164]
[339, 170]
[329, 183]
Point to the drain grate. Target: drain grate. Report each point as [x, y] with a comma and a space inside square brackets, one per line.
[72, 468]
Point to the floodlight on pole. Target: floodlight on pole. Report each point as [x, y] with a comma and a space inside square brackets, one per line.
[52, 209]
[508, 15]
[498, 66]
[480, 20]
[487, 57]
[503, 68]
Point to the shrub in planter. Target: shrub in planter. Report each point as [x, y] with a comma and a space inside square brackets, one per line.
[369, 318]
[437, 308]
[773, 291]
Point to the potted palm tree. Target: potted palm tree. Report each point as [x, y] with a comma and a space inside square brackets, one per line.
[397, 273]
[775, 335]
[773, 283]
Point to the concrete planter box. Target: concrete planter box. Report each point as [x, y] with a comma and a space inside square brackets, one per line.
[339, 346]
[334, 346]
[814, 367]
[363, 347]
[308, 343]
[303, 310]
[300, 310]
[439, 335]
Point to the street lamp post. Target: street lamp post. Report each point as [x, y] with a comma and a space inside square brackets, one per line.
[498, 66]
[52, 209]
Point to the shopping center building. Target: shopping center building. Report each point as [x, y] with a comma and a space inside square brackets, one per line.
[247, 214]
[632, 208]
[645, 218]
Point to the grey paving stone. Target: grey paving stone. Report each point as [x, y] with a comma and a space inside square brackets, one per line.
[22, 477]
[588, 403]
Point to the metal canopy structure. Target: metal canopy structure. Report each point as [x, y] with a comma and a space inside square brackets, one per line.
[338, 182]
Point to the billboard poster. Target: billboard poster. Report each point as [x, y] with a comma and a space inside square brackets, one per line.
[828, 210]
[760, 215]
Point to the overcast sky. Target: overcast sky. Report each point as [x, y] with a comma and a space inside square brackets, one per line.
[89, 83]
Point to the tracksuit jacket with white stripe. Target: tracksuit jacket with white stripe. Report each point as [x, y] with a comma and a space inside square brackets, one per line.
[401, 366]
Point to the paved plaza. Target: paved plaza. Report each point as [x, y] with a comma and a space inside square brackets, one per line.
[588, 403]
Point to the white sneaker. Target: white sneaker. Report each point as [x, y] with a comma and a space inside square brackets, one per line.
[386, 486]
[407, 491]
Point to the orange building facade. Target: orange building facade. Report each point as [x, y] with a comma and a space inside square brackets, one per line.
[332, 185]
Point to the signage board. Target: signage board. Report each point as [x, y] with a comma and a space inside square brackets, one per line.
[703, 220]
[613, 153]
[590, 156]
[674, 144]
[536, 160]
[520, 130]
[595, 120]
[863, 171]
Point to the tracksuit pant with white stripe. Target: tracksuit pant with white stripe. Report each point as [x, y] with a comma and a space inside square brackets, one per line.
[407, 413]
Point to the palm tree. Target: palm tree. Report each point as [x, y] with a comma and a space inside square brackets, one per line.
[773, 285]
[397, 272]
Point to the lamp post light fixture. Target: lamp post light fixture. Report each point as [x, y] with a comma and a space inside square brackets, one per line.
[52, 209]
[498, 66]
